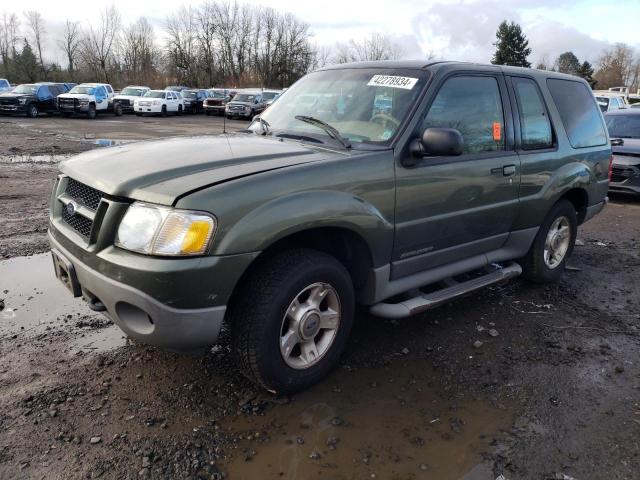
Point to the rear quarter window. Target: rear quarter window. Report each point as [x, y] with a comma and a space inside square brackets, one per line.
[579, 113]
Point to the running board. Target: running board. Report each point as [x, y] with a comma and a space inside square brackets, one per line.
[426, 301]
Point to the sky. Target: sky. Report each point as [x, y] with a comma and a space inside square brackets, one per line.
[447, 29]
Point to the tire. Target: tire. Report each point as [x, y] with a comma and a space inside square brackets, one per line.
[163, 112]
[540, 265]
[32, 111]
[258, 319]
[207, 113]
[117, 109]
[91, 113]
[138, 114]
[179, 112]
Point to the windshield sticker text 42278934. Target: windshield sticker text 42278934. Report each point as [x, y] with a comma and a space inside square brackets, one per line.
[392, 81]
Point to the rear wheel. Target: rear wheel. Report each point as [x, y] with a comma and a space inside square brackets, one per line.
[553, 244]
[32, 111]
[291, 319]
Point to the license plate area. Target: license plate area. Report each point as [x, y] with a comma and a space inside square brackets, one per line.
[65, 272]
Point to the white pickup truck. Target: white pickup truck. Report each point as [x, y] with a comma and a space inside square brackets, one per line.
[89, 99]
[5, 86]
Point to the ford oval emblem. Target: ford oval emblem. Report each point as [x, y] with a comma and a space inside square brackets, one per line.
[72, 208]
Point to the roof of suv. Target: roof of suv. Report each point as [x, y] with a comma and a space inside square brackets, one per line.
[450, 65]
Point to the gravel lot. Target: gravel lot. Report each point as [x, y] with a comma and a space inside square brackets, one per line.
[553, 390]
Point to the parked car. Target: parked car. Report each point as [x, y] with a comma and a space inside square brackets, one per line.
[160, 102]
[31, 99]
[609, 103]
[194, 100]
[245, 105]
[635, 105]
[217, 101]
[128, 95]
[89, 99]
[476, 174]
[269, 96]
[624, 130]
[5, 86]
[176, 88]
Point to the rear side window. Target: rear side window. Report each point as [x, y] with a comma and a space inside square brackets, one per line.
[578, 112]
[473, 106]
[534, 121]
[43, 93]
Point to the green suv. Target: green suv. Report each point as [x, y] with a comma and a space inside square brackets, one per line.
[393, 185]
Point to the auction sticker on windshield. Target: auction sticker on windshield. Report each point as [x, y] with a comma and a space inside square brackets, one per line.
[392, 81]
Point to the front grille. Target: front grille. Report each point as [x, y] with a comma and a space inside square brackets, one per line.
[8, 101]
[620, 174]
[213, 103]
[124, 103]
[67, 103]
[80, 224]
[83, 194]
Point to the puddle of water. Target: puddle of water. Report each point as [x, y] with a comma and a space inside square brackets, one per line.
[32, 158]
[36, 301]
[104, 142]
[397, 424]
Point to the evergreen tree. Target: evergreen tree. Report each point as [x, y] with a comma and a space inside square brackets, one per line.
[512, 46]
[586, 71]
[568, 63]
[26, 65]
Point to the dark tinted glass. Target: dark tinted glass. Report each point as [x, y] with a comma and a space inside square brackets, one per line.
[534, 120]
[623, 126]
[44, 93]
[473, 106]
[578, 112]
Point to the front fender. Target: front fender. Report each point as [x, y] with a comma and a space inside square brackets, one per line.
[301, 211]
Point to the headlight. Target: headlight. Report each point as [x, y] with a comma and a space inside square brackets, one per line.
[22, 101]
[156, 102]
[156, 230]
[84, 102]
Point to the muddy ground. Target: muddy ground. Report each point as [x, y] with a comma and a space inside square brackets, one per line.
[552, 392]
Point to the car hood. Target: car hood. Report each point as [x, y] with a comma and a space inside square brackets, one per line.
[81, 96]
[631, 146]
[161, 171]
[127, 97]
[235, 102]
[16, 95]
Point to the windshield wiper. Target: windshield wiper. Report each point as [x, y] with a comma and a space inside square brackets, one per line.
[331, 131]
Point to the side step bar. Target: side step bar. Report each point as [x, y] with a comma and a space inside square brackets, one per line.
[425, 301]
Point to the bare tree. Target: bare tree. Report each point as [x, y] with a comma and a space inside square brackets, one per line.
[139, 53]
[617, 67]
[97, 46]
[70, 43]
[182, 45]
[37, 31]
[377, 46]
[9, 29]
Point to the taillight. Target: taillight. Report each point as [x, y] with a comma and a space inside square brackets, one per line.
[610, 167]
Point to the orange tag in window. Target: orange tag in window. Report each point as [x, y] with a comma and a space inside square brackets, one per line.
[497, 134]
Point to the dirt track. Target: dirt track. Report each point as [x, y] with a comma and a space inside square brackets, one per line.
[554, 393]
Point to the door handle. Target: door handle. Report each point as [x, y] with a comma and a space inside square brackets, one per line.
[508, 170]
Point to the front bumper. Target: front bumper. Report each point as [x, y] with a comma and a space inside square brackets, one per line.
[238, 113]
[148, 109]
[151, 299]
[73, 108]
[214, 108]
[13, 108]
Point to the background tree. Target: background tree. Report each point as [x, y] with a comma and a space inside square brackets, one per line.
[70, 44]
[138, 53]
[26, 67]
[37, 31]
[568, 63]
[374, 47]
[586, 71]
[512, 46]
[97, 46]
[617, 67]
[9, 31]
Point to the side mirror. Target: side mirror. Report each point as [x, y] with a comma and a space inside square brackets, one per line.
[438, 142]
[617, 142]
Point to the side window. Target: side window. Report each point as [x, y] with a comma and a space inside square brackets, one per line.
[100, 93]
[109, 89]
[579, 113]
[43, 93]
[534, 120]
[473, 106]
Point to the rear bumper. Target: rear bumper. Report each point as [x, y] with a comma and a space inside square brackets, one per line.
[142, 316]
[626, 187]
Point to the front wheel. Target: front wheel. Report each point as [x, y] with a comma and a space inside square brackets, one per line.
[91, 113]
[163, 111]
[32, 111]
[179, 112]
[117, 110]
[291, 319]
[553, 244]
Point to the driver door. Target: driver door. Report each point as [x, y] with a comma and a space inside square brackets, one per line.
[449, 208]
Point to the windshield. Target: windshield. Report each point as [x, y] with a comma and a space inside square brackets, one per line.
[623, 126]
[83, 90]
[269, 95]
[216, 94]
[365, 105]
[244, 97]
[29, 89]
[134, 92]
[189, 93]
[155, 94]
